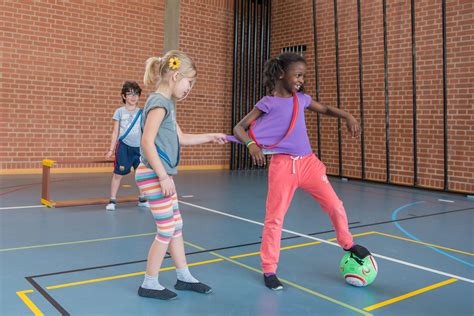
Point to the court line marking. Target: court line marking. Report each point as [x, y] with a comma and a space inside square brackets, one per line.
[447, 201]
[20, 207]
[76, 242]
[36, 311]
[302, 288]
[408, 234]
[424, 243]
[416, 266]
[299, 245]
[121, 276]
[22, 294]
[132, 236]
[219, 259]
[410, 294]
[388, 302]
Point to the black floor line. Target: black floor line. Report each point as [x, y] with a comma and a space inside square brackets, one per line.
[48, 297]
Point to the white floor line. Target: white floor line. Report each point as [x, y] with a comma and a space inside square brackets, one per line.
[416, 266]
[447, 201]
[20, 207]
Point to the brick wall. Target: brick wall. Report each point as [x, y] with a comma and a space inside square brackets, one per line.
[206, 33]
[460, 91]
[63, 63]
[429, 80]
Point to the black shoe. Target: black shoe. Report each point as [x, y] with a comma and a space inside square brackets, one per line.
[272, 282]
[359, 251]
[196, 287]
[164, 294]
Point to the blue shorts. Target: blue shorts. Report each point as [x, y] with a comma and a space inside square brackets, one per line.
[126, 157]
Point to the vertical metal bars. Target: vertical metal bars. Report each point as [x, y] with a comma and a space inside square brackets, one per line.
[385, 63]
[338, 94]
[251, 50]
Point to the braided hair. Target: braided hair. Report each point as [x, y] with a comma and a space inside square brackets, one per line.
[277, 66]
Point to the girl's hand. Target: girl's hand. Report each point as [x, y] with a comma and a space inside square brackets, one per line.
[218, 138]
[353, 126]
[258, 157]
[109, 154]
[167, 186]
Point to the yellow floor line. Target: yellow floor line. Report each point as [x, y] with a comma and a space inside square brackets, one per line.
[295, 246]
[302, 288]
[171, 268]
[301, 245]
[245, 255]
[426, 244]
[408, 295]
[28, 302]
[124, 275]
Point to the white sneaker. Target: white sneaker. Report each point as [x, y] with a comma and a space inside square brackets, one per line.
[110, 207]
[144, 204]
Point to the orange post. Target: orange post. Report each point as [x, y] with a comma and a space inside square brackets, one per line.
[47, 164]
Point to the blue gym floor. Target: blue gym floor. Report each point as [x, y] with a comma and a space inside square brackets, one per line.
[87, 261]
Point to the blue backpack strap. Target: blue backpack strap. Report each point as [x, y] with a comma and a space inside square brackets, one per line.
[131, 125]
[165, 157]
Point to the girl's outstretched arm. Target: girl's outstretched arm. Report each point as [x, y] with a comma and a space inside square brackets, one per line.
[196, 139]
[240, 132]
[351, 122]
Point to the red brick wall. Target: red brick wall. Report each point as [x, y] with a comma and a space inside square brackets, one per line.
[460, 68]
[400, 91]
[63, 63]
[206, 33]
[63, 66]
[429, 79]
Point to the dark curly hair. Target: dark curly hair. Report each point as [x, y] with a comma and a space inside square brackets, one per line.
[277, 66]
[130, 86]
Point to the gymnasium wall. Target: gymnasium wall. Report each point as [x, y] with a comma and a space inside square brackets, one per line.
[292, 24]
[64, 62]
[63, 66]
[206, 33]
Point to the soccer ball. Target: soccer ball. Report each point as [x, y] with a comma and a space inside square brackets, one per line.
[358, 272]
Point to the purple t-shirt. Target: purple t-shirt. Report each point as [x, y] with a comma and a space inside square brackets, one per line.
[271, 126]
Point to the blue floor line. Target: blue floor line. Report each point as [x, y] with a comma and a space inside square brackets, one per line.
[394, 217]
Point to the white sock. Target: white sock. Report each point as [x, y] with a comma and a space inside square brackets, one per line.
[185, 276]
[151, 282]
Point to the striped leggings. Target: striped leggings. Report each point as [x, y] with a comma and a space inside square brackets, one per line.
[165, 210]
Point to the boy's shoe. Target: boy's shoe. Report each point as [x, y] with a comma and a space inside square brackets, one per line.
[272, 282]
[196, 287]
[111, 205]
[164, 294]
[144, 204]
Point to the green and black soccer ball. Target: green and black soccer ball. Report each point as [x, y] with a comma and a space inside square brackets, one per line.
[358, 272]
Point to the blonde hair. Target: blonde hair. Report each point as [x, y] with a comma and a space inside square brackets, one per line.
[157, 68]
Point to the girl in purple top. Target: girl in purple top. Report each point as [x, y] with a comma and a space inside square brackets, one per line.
[293, 164]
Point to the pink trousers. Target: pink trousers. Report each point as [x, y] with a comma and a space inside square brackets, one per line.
[287, 173]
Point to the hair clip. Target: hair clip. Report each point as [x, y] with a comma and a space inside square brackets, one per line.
[174, 63]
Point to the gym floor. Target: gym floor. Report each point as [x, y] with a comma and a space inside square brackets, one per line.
[85, 260]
